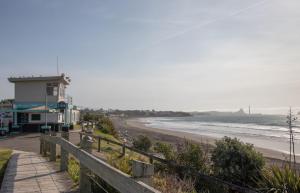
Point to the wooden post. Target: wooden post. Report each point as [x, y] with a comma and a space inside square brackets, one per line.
[64, 155]
[143, 171]
[99, 144]
[123, 149]
[80, 134]
[151, 160]
[84, 181]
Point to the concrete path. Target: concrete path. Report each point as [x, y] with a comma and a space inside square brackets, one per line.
[29, 172]
[30, 142]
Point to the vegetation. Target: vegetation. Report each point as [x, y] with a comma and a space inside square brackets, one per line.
[231, 160]
[124, 163]
[103, 123]
[236, 162]
[276, 180]
[172, 184]
[142, 142]
[187, 157]
[166, 150]
[4, 157]
[74, 170]
[137, 113]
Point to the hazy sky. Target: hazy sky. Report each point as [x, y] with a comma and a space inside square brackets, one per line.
[177, 54]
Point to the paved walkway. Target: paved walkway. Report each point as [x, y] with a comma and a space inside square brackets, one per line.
[29, 172]
[30, 141]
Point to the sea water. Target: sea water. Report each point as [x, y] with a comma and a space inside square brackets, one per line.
[265, 131]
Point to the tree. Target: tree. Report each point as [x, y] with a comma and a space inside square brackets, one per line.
[142, 143]
[236, 162]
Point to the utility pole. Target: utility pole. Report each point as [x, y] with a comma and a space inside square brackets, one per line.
[290, 119]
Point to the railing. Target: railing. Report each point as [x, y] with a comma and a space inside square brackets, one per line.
[123, 146]
[89, 164]
[204, 177]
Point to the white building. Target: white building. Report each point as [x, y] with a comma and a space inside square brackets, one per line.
[41, 102]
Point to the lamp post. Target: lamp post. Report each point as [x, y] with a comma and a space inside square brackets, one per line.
[46, 114]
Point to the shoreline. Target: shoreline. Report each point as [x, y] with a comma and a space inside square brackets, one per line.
[135, 127]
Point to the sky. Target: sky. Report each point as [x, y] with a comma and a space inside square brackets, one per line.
[189, 55]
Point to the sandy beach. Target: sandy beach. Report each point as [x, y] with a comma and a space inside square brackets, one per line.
[135, 127]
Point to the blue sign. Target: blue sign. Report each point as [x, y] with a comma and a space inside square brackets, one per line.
[62, 105]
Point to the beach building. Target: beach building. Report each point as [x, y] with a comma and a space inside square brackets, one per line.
[41, 103]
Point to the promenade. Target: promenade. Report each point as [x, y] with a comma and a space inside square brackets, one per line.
[29, 172]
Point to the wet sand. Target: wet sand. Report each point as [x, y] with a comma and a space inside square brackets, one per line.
[135, 127]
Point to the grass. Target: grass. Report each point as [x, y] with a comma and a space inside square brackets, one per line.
[4, 157]
[74, 170]
[105, 146]
[113, 151]
[107, 136]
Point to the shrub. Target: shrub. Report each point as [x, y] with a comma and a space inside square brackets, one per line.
[121, 163]
[236, 162]
[142, 143]
[187, 159]
[165, 149]
[192, 156]
[276, 180]
[173, 184]
[105, 125]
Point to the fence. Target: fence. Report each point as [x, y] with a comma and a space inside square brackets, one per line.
[205, 178]
[89, 164]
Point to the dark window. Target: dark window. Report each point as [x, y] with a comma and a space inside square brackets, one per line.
[36, 117]
[52, 89]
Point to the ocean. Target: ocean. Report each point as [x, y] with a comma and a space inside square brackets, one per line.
[265, 131]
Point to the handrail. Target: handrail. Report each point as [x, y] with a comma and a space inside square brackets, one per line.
[153, 157]
[117, 179]
[167, 162]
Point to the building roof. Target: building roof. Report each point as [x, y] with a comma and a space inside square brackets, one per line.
[62, 78]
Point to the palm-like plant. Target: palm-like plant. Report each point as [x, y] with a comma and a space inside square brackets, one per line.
[277, 180]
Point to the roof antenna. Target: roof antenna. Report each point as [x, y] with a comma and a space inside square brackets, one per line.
[57, 67]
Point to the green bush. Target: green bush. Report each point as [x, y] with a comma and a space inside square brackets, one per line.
[142, 143]
[276, 180]
[191, 155]
[186, 159]
[236, 162]
[165, 149]
[105, 125]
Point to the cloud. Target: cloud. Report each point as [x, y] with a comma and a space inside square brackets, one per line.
[208, 22]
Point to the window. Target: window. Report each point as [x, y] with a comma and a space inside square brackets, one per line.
[35, 117]
[52, 89]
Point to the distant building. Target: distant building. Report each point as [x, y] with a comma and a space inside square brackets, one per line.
[41, 103]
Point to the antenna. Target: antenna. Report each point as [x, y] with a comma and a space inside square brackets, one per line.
[57, 67]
